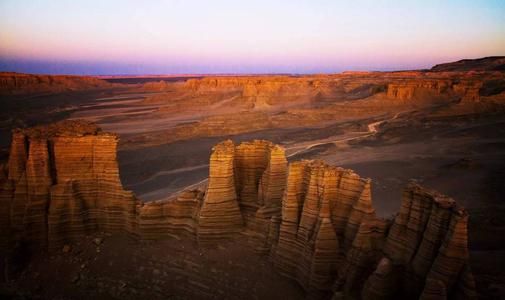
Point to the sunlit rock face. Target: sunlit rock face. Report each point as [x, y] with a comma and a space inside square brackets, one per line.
[220, 214]
[264, 92]
[435, 90]
[17, 83]
[246, 184]
[63, 181]
[315, 222]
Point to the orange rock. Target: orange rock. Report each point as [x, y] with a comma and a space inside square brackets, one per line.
[316, 221]
[220, 215]
[19, 83]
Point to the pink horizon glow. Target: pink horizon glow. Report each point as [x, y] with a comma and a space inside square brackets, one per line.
[286, 36]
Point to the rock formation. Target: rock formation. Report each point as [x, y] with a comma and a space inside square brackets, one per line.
[329, 236]
[316, 222]
[261, 92]
[232, 105]
[323, 209]
[490, 63]
[406, 89]
[63, 182]
[422, 91]
[260, 172]
[174, 217]
[19, 83]
[428, 240]
[220, 214]
[424, 254]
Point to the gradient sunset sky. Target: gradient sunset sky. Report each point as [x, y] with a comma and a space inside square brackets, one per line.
[261, 36]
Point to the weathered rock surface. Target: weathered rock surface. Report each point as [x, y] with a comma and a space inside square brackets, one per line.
[428, 240]
[435, 90]
[316, 221]
[323, 209]
[63, 182]
[260, 172]
[220, 214]
[170, 217]
[422, 254]
[19, 83]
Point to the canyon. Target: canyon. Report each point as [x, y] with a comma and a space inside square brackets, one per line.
[315, 222]
[255, 186]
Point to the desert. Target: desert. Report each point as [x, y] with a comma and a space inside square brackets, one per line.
[124, 167]
[267, 149]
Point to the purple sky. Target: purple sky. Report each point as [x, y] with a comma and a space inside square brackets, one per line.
[262, 36]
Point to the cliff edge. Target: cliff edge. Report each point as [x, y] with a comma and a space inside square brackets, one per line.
[316, 222]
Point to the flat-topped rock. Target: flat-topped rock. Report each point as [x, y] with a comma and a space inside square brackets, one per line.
[67, 128]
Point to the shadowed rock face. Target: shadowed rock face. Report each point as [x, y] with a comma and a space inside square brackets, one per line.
[424, 253]
[316, 221]
[323, 208]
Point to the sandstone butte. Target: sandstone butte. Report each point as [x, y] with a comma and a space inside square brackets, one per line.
[271, 90]
[19, 83]
[315, 222]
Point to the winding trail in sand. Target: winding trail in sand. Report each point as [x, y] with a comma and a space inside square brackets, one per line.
[372, 129]
[171, 172]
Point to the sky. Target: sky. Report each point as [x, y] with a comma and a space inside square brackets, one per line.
[97, 37]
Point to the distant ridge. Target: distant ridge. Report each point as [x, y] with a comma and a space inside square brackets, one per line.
[20, 83]
[490, 63]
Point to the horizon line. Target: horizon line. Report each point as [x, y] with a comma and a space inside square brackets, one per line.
[169, 75]
[185, 74]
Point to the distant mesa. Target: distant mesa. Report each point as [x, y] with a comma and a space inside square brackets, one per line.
[12, 83]
[491, 63]
[315, 222]
[18, 83]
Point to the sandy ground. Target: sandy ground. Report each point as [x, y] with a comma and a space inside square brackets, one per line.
[167, 269]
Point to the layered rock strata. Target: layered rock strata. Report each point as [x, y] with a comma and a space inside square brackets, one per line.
[260, 173]
[316, 221]
[403, 86]
[322, 211]
[19, 83]
[428, 241]
[220, 215]
[62, 182]
[173, 217]
[329, 237]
